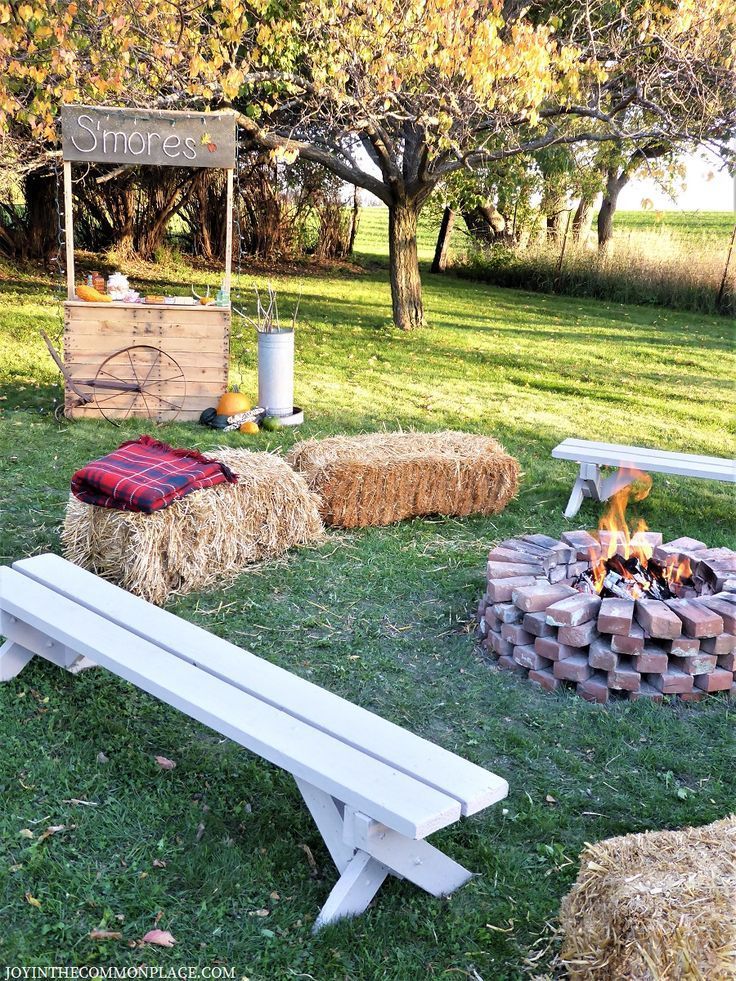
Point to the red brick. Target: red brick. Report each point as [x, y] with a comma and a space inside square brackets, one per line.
[500, 590]
[727, 597]
[672, 681]
[682, 646]
[718, 680]
[695, 663]
[583, 543]
[579, 636]
[594, 688]
[692, 696]
[684, 545]
[624, 677]
[612, 542]
[657, 619]
[513, 557]
[727, 662]
[697, 620]
[500, 646]
[651, 660]
[507, 612]
[551, 648]
[631, 643]
[511, 570]
[601, 656]
[536, 624]
[646, 691]
[572, 610]
[492, 621]
[515, 634]
[527, 657]
[615, 616]
[575, 668]
[523, 545]
[722, 644]
[538, 596]
[558, 573]
[546, 679]
[724, 609]
[544, 541]
[509, 664]
[646, 539]
[577, 568]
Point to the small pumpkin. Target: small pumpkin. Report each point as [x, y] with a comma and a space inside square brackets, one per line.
[220, 422]
[231, 403]
[249, 427]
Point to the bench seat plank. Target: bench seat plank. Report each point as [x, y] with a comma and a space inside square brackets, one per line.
[472, 786]
[657, 461]
[388, 795]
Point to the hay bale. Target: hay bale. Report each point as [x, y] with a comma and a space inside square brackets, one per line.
[659, 905]
[202, 539]
[380, 478]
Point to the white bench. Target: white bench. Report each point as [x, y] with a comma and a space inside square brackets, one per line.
[375, 791]
[593, 456]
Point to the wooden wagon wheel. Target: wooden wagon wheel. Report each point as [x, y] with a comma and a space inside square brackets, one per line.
[141, 378]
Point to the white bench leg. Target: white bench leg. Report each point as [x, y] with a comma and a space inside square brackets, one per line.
[13, 658]
[586, 485]
[356, 887]
[328, 816]
[366, 851]
[35, 641]
[590, 484]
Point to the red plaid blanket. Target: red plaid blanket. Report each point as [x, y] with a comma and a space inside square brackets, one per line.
[145, 475]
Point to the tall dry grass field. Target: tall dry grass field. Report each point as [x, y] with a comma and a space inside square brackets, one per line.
[674, 260]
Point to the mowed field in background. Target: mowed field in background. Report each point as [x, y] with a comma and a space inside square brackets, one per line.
[220, 851]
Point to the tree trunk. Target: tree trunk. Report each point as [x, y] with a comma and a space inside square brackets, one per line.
[614, 185]
[442, 250]
[582, 219]
[406, 285]
[39, 191]
[354, 219]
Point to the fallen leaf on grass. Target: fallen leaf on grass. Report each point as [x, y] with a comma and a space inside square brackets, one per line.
[26, 833]
[85, 803]
[54, 829]
[101, 758]
[159, 863]
[105, 935]
[550, 799]
[259, 912]
[200, 832]
[161, 938]
[165, 763]
[32, 901]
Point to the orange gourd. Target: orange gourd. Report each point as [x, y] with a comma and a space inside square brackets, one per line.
[231, 403]
[249, 427]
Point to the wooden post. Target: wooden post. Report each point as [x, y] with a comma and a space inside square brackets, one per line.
[229, 233]
[69, 230]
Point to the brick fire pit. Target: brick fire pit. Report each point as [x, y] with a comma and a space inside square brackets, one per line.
[541, 616]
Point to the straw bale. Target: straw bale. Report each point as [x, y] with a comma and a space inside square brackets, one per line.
[202, 539]
[379, 478]
[656, 906]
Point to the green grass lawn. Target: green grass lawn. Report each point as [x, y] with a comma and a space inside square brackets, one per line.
[383, 617]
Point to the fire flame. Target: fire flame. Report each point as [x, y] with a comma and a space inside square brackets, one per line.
[616, 537]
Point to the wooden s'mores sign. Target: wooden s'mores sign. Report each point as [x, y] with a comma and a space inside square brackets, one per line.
[98, 134]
